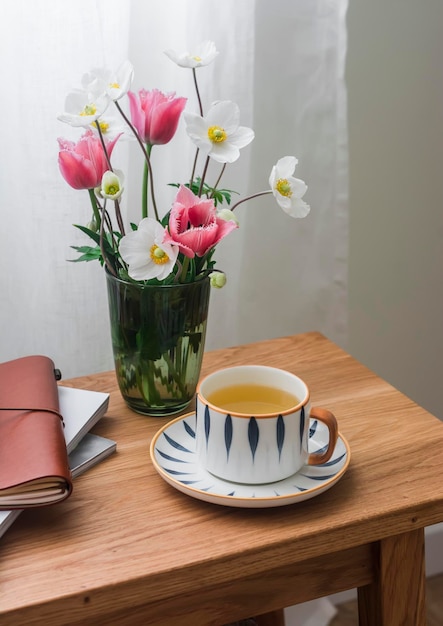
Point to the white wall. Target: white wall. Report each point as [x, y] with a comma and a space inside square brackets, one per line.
[395, 106]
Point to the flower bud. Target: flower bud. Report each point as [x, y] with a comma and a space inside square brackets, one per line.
[111, 187]
[92, 225]
[228, 216]
[217, 279]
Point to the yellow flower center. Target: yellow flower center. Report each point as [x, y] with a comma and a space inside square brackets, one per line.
[104, 126]
[217, 134]
[197, 58]
[158, 255]
[283, 187]
[111, 190]
[90, 109]
[114, 85]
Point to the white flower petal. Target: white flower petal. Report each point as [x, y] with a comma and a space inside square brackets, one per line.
[284, 202]
[204, 54]
[286, 166]
[197, 131]
[225, 114]
[242, 136]
[120, 83]
[135, 249]
[81, 109]
[297, 208]
[112, 186]
[298, 187]
[222, 118]
[288, 190]
[224, 152]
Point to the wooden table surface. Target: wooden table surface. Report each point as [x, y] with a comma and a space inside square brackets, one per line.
[126, 548]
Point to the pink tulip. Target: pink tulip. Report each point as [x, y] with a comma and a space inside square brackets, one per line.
[194, 226]
[83, 164]
[155, 115]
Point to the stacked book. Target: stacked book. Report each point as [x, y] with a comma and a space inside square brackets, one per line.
[33, 407]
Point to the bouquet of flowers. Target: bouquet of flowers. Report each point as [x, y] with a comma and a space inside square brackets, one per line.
[176, 246]
[159, 271]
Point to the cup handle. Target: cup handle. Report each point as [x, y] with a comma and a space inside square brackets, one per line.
[328, 418]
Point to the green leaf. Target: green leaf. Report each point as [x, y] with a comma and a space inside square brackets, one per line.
[218, 195]
[91, 233]
[87, 254]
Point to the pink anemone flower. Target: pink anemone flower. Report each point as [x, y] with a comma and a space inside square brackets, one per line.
[83, 164]
[194, 225]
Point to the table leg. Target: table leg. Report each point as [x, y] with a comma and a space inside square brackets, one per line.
[397, 595]
[274, 618]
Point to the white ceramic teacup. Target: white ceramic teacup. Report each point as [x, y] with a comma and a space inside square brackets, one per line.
[243, 438]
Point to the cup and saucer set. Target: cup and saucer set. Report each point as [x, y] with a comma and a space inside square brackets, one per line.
[254, 441]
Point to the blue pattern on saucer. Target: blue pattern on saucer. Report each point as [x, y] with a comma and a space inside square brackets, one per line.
[174, 458]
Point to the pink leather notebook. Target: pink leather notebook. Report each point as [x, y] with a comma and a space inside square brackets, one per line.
[34, 467]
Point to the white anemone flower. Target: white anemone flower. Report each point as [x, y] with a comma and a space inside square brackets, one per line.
[112, 185]
[146, 254]
[219, 134]
[203, 54]
[287, 190]
[110, 127]
[83, 108]
[113, 84]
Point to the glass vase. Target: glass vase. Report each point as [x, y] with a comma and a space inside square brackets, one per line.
[158, 338]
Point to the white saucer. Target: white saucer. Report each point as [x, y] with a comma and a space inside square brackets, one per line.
[173, 455]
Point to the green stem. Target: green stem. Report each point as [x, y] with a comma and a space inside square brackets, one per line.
[107, 262]
[95, 210]
[184, 269]
[173, 372]
[146, 384]
[146, 155]
[146, 184]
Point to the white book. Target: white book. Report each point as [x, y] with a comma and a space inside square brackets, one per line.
[91, 450]
[81, 409]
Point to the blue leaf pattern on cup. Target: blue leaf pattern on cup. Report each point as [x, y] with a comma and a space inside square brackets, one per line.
[302, 426]
[253, 435]
[228, 434]
[280, 434]
[207, 424]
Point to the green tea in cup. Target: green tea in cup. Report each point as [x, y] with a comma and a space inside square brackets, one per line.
[253, 399]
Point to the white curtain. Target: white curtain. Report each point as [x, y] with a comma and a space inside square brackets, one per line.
[281, 61]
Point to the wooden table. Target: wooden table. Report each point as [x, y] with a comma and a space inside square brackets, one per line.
[129, 549]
